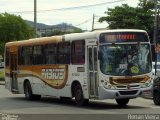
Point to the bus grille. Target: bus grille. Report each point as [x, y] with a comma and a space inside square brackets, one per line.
[128, 92]
[125, 86]
[128, 80]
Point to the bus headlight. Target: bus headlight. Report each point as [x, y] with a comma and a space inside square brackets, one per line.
[146, 84]
[107, 85]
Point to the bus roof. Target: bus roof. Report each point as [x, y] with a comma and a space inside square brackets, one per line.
[67, 37]
[52, 39]
[95, 34]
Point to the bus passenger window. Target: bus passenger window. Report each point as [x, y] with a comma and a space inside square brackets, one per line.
[21, 56]
[63, 53]
[90, 59]
[38, 55]
[50, 54]
[25, 55]
[7, 57]
[78, 52]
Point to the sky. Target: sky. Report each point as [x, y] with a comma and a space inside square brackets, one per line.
[79, 13]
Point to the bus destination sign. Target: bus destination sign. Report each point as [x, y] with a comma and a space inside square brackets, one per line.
[123, 37]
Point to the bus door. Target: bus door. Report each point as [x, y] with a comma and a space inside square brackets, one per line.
[92, 71]
[13, 68]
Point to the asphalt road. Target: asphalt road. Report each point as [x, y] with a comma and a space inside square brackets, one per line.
[17, 107]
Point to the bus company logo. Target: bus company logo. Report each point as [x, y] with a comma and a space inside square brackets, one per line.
[53, 74]
[129, 87]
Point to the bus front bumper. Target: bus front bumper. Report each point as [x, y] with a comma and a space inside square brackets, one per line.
[147, 92]
[118, 94]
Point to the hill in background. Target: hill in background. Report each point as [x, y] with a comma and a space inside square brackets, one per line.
[47, 30]
[61, 26]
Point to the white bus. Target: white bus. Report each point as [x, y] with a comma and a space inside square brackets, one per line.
[109, 64]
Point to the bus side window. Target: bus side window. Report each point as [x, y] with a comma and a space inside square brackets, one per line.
[21, 55]
[63, 53]
[38, 57]
[78, 52]
[50, 53]
[7, 57]
[25, 55]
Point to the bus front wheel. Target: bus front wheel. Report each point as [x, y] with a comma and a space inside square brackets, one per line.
[156, 98]
[79, 98]
[122, 102]
[28, 92]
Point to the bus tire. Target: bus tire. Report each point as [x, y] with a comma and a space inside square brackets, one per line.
[122, 102]
[79, 98]
[28, 92]
[156, 98]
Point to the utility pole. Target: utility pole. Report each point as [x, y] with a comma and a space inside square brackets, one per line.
[93, 22]
[155, 24]
[155, 33]
[35, 17]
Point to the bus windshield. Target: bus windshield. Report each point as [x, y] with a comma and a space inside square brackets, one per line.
[124, 59]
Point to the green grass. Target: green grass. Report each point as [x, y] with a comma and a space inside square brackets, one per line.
[1, 75]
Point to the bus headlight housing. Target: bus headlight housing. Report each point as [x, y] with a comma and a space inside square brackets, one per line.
[146, 84]
[107, 85]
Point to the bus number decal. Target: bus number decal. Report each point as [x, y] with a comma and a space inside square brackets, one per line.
[75, 74]
[53, 74]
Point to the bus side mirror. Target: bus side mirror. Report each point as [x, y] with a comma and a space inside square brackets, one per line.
[99, 55]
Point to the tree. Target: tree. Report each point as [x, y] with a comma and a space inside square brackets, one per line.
[13, 28]
[146, 16]
[126, 17]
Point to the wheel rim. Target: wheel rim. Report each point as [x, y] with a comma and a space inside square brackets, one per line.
[78, 96]
[27, 91]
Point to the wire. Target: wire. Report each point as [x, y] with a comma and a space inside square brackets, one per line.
[83, 22]
[73, 8]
